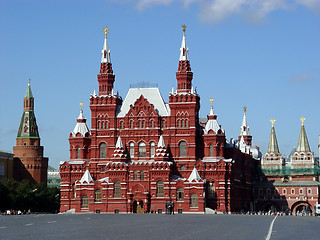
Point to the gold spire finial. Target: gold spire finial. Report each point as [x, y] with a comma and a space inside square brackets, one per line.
[302, 119]
[272, 121]
[211, 102]
[106, 31]
[184, 29]
[81, 105]
[245, 109]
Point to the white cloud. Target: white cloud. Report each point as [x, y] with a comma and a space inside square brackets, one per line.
[218, 10]
[301, 78]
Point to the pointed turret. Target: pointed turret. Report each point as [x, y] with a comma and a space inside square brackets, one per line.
[303, 144]
[273, 158]
[119, 154]
[245, 129]
[81, 126]
[86, 178]
[28, 126]
[184, 75]
[161, 152]
[273, 143]
[106, 76]
[212, 123]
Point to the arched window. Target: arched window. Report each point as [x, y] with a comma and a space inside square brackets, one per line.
[182, 149]
[107, 125]
[135, 176]
[131, 149]
[182, 123]
[142, 175]
[131, 123]
[143, 123]
[151, 123]
[142, 149]
[102, 125]
[180, 194]
[78, 152]
[284, 191]
[152, 149]
[194, 200]
[84, 201]
[300, 191]
[186, 123]
[97, 195]
[163, 123]
[211, 150]
[117, 190]
[178, 123]
[140, 125]
[159, 189]
[292, 191]
[99, 124]
[309, 191]
[103, 150]
[268, 191]
[121, 124]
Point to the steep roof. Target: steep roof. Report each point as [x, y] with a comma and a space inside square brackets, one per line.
[273, 143]
[194, 176]
[151, 94]
[212, 123]
[303, 144]
[81, 126]
[86, 177]
[28, 91]
[244, 126]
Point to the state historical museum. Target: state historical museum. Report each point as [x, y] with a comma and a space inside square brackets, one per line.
[143, 153]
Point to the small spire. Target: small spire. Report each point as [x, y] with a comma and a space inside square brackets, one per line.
[184, 55]
[273, 143]
[211, 103]
[28, 91]
[119, 143]
[303, 143]
[81, 111]
[244, 127]
[105, 51]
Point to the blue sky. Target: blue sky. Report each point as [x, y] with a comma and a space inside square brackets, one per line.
[262, 54]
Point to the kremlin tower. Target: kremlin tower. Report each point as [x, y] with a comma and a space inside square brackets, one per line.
[29, 162]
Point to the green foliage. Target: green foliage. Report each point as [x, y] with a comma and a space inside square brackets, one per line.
[24, 196]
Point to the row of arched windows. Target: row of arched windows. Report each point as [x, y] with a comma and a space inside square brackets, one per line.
[182, 123]
[135, 175]
[284, 191]
[103, 124]
[117, 194]
[142, 149]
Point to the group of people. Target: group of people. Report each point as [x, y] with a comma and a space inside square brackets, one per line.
[169, 208]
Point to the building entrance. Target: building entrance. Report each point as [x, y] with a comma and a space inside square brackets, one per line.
[137, 207]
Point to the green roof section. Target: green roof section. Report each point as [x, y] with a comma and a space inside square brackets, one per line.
[288, 170]
[303, 144]
[273, 143]
[28, 91]
[28, 126]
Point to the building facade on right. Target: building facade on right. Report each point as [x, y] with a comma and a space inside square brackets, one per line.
[291, 186]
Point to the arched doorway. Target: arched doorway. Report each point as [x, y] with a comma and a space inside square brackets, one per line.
[302, 208]
[134, 207]
[270, 207]
[137, 207]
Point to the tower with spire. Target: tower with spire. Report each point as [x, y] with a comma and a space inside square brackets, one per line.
[213, 136]
[29, 162]
[244, 130]
[79, 139]
[303, 157]
[273, 158]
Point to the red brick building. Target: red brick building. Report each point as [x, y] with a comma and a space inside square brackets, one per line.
[142, 152]
[291, 186]
[28, 160]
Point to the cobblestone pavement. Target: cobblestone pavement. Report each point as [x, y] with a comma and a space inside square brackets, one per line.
[157, 227]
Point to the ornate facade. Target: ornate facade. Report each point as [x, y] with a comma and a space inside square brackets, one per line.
[142, 152]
